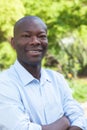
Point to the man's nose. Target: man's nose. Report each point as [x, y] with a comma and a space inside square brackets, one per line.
[34, 40]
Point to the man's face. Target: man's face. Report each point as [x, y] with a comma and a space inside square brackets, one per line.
[30, 42]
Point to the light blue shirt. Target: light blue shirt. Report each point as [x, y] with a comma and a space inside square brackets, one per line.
[26, 103]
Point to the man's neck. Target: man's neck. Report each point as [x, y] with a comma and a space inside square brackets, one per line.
[34, 70]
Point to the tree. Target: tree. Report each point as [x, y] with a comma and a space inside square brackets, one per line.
[10, 11]
[7, 55]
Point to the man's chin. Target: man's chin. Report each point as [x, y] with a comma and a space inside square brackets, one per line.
[34, 63]
[30, 63]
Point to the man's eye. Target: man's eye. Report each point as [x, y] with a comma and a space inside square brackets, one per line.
[25, 35]
[42, 36]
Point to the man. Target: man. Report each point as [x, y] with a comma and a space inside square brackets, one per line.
[33, 98]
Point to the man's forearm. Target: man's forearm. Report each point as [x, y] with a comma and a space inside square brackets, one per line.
[74, 128]
[61, 124]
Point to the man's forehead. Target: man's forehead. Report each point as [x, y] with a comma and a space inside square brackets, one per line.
[28, 21]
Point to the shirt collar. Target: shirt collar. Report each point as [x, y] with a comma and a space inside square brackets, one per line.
[44, 76]
[26, 77]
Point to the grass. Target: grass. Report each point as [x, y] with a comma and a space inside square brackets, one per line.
[79, 87]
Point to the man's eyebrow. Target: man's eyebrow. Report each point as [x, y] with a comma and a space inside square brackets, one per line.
[27, 31]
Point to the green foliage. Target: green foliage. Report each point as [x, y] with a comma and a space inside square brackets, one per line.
[10, 11]
[79, 88]
[7, 55]
[73, 57]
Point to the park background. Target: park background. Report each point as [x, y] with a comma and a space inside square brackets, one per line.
[67, 34]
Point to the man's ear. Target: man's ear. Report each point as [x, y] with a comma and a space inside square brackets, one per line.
[12, 43]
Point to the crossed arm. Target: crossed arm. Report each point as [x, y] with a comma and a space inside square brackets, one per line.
[61, 124]
[11, 107]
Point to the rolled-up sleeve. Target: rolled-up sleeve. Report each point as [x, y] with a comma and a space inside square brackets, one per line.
[13, 115]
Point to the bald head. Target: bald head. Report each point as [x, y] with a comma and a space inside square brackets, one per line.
[28, 19]
[30, 41]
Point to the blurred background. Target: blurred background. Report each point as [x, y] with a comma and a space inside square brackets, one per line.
[67, 34]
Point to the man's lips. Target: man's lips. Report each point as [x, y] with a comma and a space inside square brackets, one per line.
[34, 51]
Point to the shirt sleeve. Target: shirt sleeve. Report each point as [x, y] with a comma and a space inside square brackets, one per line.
[72, 108]
[13, 115]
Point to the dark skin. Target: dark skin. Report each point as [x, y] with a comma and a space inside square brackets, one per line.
[30, 42]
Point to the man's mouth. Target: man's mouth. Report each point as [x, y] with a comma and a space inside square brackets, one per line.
[34, 52]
